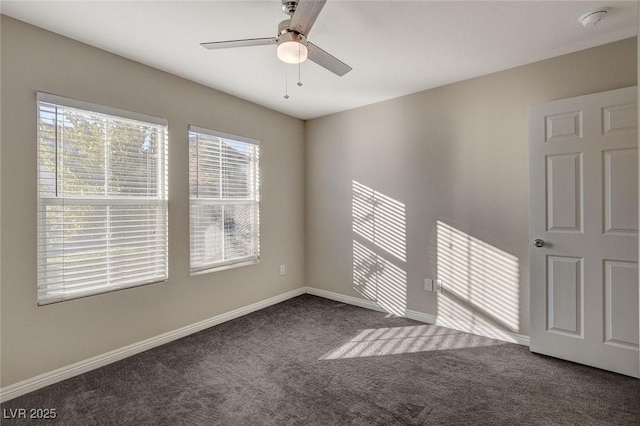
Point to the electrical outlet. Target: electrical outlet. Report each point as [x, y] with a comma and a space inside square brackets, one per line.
[428, 284]
[438, 286]
[282, 270]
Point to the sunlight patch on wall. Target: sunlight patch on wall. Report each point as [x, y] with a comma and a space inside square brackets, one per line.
[481, 284]
[379, 248]
[404, 340]
[379, 280]
[380, 220]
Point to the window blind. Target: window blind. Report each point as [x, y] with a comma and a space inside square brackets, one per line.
[102, 199]
[224, 199]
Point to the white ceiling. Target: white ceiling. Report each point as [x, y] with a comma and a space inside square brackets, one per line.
[395, 47]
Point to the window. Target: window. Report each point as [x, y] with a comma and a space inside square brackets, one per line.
[102, 199]
[223, 193]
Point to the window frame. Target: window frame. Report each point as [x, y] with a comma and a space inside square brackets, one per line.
[159, 201]
[197, 200]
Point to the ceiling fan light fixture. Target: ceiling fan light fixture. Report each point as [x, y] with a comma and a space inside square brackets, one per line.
[291, 39]
[292, 48]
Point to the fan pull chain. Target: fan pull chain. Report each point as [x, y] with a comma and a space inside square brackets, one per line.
[286, 92]
[299, 66]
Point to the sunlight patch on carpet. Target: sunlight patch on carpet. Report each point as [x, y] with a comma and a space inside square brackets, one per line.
[409, 339]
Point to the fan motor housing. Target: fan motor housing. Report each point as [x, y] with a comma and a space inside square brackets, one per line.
[292, 36]
[283, 27]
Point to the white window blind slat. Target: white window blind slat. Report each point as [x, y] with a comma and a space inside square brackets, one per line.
[217, 134]
[224, 199]
[50, 101]
[102, 199]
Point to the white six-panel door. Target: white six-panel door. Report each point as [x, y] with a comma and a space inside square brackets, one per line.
[584, 214]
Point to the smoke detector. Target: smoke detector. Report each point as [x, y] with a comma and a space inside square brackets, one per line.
[591, 18]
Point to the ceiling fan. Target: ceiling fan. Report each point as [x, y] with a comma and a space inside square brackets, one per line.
[293, 47]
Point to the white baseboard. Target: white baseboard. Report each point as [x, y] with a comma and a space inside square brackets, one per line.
[349, 300]
[422, 317]
[485, 331]
[368, 304]
[63, 373]
[29, 385]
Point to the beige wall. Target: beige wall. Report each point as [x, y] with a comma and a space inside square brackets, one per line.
[40, 339]
[449, 166]
[454, 162]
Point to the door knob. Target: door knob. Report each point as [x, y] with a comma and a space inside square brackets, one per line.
[538, 243]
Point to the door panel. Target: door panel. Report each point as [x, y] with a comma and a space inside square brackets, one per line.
[620, 200]
[621, 295]
[620, 118]
[564, 293]
[564, 192]
[584, 206]
[560, 127]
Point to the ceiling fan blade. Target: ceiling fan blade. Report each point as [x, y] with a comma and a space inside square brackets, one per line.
[305, 15]
[327, 61]
[239, 43]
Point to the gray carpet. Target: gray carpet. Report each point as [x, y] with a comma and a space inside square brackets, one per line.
[312, 361]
